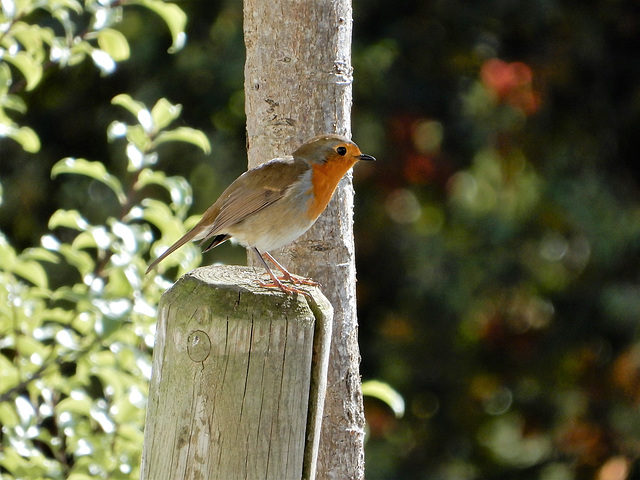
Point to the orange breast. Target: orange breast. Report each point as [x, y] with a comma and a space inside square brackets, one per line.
[325, 179]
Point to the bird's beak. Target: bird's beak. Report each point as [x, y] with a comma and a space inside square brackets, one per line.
[368, 158]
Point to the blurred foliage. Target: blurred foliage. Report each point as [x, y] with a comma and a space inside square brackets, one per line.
[75, 359]
[77, 313]
[498, 235]
[498, 276]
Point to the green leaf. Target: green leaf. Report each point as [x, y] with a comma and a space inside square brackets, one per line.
[185, 134]
[94, 237]
[30, 69]
[80, 476]
[10, 378]
[95, 170]
[25, 136]
[31, 271]
[82, 261]
[385, 393]
[125, 101]
[81, 405]
[14, 103]
[28, 139]
[68, 218]
[103, 61]
[159, 214]
[178, 187]
[31, 37]
[8, 416]
[173, 16]
[5, 79]
[114, 43]
[137, 136]
[151, 177]
[164, 112]
[9, 9]
[39, 254]
[74, 5]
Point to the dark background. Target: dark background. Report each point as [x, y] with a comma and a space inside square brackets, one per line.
[498, 235]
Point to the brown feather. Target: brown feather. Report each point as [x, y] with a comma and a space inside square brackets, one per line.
[254, 190]
[190, 235]
[249, 193]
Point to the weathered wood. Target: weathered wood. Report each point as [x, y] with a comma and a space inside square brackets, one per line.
[298, 83]
[236, 369]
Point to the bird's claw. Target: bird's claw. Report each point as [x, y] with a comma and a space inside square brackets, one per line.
[296, 280]
[285, 288]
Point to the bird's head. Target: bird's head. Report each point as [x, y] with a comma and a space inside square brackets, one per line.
[325, 149]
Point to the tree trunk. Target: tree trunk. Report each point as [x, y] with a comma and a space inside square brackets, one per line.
[298, 84]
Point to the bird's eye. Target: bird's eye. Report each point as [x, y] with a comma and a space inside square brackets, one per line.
[342, 151]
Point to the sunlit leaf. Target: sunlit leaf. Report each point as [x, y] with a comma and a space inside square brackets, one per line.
[73, 5]
[10, 378]
[80, 405]
[94, 237]
[385, 393]
[8, 415]
[14, 102]
[185, 134]
[163, 113]
[107, 14]
[29, 346]
[114, 44]
[80, 476]
[77, 53]
[119, 286]
[25, 136]
[178, 187]
[95, 170]
[5, 79]
[138, 138]
[30, 69]
[9, 8]
[81, 260]
[103, 61]
[31, 37]
[174, 17]
[31, 271]
[116, 130]
[69, 219]
[125, 101]
[159, 214]
[151, 177]
[40, 254]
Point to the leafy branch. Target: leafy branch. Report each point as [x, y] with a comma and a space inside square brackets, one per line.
[28, 49]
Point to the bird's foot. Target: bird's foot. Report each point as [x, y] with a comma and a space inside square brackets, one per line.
[297, 280]
[288, 276]
[285, 288]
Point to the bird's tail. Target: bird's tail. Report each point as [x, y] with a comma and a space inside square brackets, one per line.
[190, 235]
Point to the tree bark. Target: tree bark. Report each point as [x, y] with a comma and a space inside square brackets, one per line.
[298, 84]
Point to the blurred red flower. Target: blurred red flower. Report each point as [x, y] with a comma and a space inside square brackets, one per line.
[511, 83]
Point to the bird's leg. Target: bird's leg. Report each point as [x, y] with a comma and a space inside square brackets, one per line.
[275, 281]
[289, 277]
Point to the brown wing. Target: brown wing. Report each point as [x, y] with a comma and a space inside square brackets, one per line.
[251, 192]
[254, 190]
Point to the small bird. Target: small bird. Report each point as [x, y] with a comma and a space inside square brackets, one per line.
[272, 204]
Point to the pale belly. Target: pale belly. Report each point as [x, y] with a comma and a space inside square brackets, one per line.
[274, 226]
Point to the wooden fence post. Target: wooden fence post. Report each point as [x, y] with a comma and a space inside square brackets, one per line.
[238, 382]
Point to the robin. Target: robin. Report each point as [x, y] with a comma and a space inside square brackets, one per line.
[271, 205]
